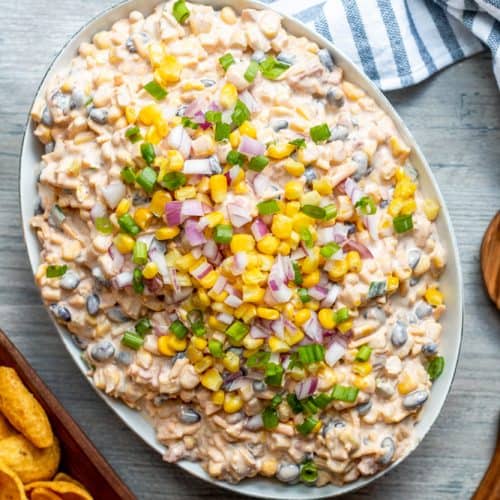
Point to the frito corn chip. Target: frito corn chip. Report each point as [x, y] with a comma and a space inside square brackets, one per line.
[64, 489]
[5, 428]
[44, 494]
[27, 461]
[22, 410]
[62, 476]
[11, 487]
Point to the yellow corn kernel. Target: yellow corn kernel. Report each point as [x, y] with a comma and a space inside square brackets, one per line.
[266, 262]
[409, 207]
[362, 383]
[310, 198]
[280, 151]
[231, 362]
[218, 297]
[253, 260]
[124, 243]
[240, 188]
[218, 187]
[282, 226]
[325, 317]
[395, 206]
[193, 354]
[149, 114]
[143, 217]
[156, 53]
[204, 364]
[214, 323]
[211, 379]
[284, 248]
[228, 16]
[431, 209]
[228, 96]
[253, 294]
[254, 277]
[353, 261]
[297, 373]
[185, 193]
[311, 262]
[214, 218]
[406, 383]
[247, 128]
[199, 343]
[399, 148]
[302, 316]
[175, 161]
[153, 136]
[252, 344]
[218, 398]
[202, 297]
[311, 279]
[295, 168]
[269, 467]
[247, 312]
[351, 91]
[345, 326]
[328, 377]
[338, 270]
[323, 186]
[292, 208]
[209, 280]
[166, 233]
[268, 245]
[185, 262]
[362, 368]
[176, 344]
[242, 243]
[192, 85]
[292, 338]
[278, 345]
[234, 138]
[158, 202]
[434, 297]
[150, 270]
[233, 402]
[401, 174]
[313, 305]
[302, 221]
[169, 70]
[123, 207]
[293, 190]
[267, 313]
[130, 115]
[392, 284]
[163, 346]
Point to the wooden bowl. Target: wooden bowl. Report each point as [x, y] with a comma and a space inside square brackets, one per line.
[79, 457]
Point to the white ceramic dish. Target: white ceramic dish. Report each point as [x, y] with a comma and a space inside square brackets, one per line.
[451, 283]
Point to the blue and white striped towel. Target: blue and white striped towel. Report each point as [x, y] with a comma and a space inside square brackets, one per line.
[401, 42]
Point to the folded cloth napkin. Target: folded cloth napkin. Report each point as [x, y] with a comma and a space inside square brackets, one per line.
[398, 43]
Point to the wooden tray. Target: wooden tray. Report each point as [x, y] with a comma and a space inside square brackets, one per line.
[79, 457]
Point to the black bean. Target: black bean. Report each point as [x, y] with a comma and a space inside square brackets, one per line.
[334, 423]
[415, 399]
[259, 386]
[288, 472]
[102, 351]
[189, 416]
[414, 255]
[70, 280]
[116, 315]
[258, 56]
[79, 342]
[377, 314]
[339, 133]
[384, 388]
[62, 101]
[364, 408]
[160, 399]
[181, 110]
[130, 45]
[47, 119]
[207, 82]
[61, 312]
[278, 125]
[139, 199]
[215, 166]
[286, 58]
[99, 115]
[389, 448]
[326, 59]
[93, 303]
[38, 207]
[49, 147]
[351, 228]
[361, 160]
[335, 97]
[179, 355]
[384, 203]
[422, 310]
[414, 281]
[56, 216]
[310, 175]
[399, 334]
[125, 358]
[77, 99]
[430, 349]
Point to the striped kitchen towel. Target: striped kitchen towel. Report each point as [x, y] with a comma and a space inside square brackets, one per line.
[398, 43]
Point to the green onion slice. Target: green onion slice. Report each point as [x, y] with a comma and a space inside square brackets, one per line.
[268, 207]
[299, 143]
[222, 131]
[270, 418]
[140, 253]
[258, 359]
[235, 158]
[148, 152]
[127, 223]
[132, 340]
[213, 116]
[156, 90]
[313, 211]
[297, 278]
[329, 250]
[143, 326]
[251, 72]
[307, 426]
[330, 212]
[128, 175]
[188, 123]
[223, 233]
[180, 11]
[364, 353]
[137, 281]
[345, 393]
[174, 180]
[147, 179]
[272, 69]
[294, 403]
[435, 367]
[322, 400]
[306, 237]
[226, 60]
[304, 295]
[402, 223]
[179, 329]
[311, 353]
[341, 315]
[56, 271]
[104, 225]
[240, 114]
[274, 374]
[215, 348]
[320, 133]
[237, 330]
[308, 472]
[376, 289]
[366, 205]
[258, 163]
[133, 134]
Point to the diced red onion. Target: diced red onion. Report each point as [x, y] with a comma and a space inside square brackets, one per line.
[313, 329]
[159, 259]
[117, 258]
[249, 101]
[200, 166]
[258, 333]
[194, 236]
[251, 147]
[331, 296]
[173, 213]
[192, 208]
[353, 191]
[98, 210]
[122, 280]
[201, 271]
[240, 260]
[179, 139]
[172, 274]
[219, 285]
[232, 173]
[318, 292]
[264, 187]
[278, 327]
[237, 383]
[233, 301]
[197, 252]
[113, 193]
[371, 222]
[259, 229]
[181, 294]
[334, 352]
[306, 388]
[154, 284]
[352, 245]
[225, 318]
[194, 107]
[336, 233]
[238, 215]
[298, 254]
[279, 291]
[210, 250]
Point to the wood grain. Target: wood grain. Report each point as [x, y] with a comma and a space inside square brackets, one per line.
[79, 457]
[455, 117]
[489, 489]
[490, 260]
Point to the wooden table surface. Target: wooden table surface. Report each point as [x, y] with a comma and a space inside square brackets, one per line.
[455, 117]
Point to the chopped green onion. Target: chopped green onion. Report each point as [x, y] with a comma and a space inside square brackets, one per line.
[188, 123]
[308, 472]
[179, 329]
[258, 359]
[330, 212]
[274, 374]
[435, 367]
[299, 143]
[223, 233]
[277, 399]
[133, 134]
[402, 223]
[215, 348]
[156, 90]
[268, 207]
[309, 407]
[258, 163]
[294, 361]
[128, 175]
[104, 225]
[180, 11]
[294, 403]
[341, 315]
[345, 393]
[226, 60]
[364, 353]
[306, 237]
[143, 326]
[307, 426]
[237, 331]
[194, 316]
[320, 133]
[137, 282]
[272, 69]
[148, 152]
[251, 71]
[270, 418]
[240, 114]
[174, 180]
[311, 353]
[322, 400]
[213, 116]
[132, 340]
[128, 224]
[329, 250]
[235, 158]
[147, 179]
[56, 271]
[297, 274]
[222, 131]
[376, 289]
[304, 295]
[366, 205]
[313, 211]
[198, 328]
[140, 253]
[89, 101]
